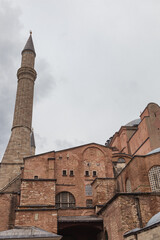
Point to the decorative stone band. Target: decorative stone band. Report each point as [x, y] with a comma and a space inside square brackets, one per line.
[30, 72]
[18, 126]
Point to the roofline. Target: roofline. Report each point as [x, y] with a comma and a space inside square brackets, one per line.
[126, 194]
[102, 179]
[120, 130]
[83, 145]
[38, 155]
[143, 156]
[67, 149]
[147, 107]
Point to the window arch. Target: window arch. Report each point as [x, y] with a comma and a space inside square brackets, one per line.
[128, 186]
[154, 178]
[65, 200]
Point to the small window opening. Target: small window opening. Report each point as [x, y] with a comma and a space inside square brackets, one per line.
[35, 177]
[94, 173]
[88, 190]
[64, 173]
[87, 173]
[89, 203]
[71, 173]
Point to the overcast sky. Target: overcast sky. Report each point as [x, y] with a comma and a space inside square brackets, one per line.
[98, 66]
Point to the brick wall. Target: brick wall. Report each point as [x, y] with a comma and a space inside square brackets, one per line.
[37, 192]
[103, 190]
[45, 219]
[8, 202]
[137, 172]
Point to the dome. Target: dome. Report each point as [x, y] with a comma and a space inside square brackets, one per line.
[154, 151]
[133, 123]
[154, 219]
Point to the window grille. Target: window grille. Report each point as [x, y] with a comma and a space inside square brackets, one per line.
[94, 173]
[88, 189]
[154, 178]
[128, 186]
[65, 200]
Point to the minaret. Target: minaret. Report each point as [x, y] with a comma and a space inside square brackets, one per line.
[19, 145]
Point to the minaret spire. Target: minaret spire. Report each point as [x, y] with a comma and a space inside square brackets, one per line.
[29, 44]
[19, 145]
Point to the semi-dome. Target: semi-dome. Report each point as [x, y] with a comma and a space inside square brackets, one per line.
[154, 219]
[133, 123]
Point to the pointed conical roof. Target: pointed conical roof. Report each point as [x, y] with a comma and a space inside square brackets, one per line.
[29, 44]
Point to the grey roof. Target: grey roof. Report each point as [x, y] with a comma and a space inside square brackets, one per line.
[32, 140]
[154, 219]
[132, 231]
[29, 45]
[133, 123]
[154, 151]
[79, 219]
[27, 232]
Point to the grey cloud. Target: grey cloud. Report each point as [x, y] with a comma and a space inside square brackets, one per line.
[63, 143]
[45, 80]
[9, 42]
[11, 45]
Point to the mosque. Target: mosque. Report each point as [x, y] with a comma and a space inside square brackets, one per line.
[92, 191]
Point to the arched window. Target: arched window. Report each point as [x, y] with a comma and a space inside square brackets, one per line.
[154, 178]
[65, 200]
[128, 186]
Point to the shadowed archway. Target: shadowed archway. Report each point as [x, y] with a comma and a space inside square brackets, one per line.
[80, 227]
[85, 232]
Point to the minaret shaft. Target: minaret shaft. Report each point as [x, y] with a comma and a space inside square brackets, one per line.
[19, 145]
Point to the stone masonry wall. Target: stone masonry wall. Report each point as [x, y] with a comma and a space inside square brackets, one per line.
[120, 217]
[8, 172]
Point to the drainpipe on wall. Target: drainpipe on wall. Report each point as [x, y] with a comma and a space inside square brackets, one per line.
[138, 213]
